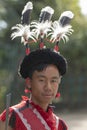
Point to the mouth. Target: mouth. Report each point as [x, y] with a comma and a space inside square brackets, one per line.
[48, 95]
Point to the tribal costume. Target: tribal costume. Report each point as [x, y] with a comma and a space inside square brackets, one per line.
[29, 116]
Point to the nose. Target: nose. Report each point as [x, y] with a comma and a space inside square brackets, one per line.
[48, 85]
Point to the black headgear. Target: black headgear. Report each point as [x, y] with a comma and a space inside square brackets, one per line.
[42, 56]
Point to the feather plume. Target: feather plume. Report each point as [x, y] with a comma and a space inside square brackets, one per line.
[65, 18]
[46, 14]
[58, 32]
[61, 29]
[23, 32]
[40, 28]
[25, 19]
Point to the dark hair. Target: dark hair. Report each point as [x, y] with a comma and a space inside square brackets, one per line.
[39, 68]
[40, 59]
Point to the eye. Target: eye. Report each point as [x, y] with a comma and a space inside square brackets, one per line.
[54, 81]
[41, 80]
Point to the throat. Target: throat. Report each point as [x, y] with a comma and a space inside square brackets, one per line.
[41, 105]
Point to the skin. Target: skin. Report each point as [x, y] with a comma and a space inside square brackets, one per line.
[44, 86]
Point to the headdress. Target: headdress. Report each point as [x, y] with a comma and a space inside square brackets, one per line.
[40, 57]
[43, 29]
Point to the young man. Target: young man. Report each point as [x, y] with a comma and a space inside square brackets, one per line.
[43, 69]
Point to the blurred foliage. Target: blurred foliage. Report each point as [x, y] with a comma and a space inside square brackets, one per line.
[12, 52]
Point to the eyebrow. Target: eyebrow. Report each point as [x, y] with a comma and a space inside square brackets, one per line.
[42, 76]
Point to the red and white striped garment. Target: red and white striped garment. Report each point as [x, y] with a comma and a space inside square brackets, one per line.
[29, 116]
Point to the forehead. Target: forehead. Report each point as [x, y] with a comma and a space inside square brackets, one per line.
[49, 72]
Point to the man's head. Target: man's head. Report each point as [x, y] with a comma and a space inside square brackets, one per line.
[39, 60]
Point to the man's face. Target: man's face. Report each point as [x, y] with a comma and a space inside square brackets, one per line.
[44, 85]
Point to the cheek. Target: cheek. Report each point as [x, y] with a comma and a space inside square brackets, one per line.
[56, 87]
[36, 87]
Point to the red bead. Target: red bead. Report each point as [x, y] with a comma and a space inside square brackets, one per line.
[27, 51]
[27, 91]
[41, 45]
[57, 95]
[56, 48]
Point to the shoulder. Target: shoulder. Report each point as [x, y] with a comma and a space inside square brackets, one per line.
[62, 125]
[19, 106]
[17, 109]
[12, 114]
[11, 110]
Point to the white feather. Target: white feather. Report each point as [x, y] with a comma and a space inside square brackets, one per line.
[40, 28]
[57, 32]
[48, 9]
[29, 5]
[68, 14]
[24, 32]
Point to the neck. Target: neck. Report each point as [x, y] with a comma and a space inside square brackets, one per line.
[42, 105]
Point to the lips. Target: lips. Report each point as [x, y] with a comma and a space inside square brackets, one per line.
[48, 95]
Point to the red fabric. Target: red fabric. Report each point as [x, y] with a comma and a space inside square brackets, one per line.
[62, 125]
[19, 124]
[47, 116]
[3, 114]
[32, 119]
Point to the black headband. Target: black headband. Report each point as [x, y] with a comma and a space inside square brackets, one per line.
[42, 56]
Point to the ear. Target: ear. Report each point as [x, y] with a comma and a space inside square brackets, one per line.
[28, 83]
[60, 79]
